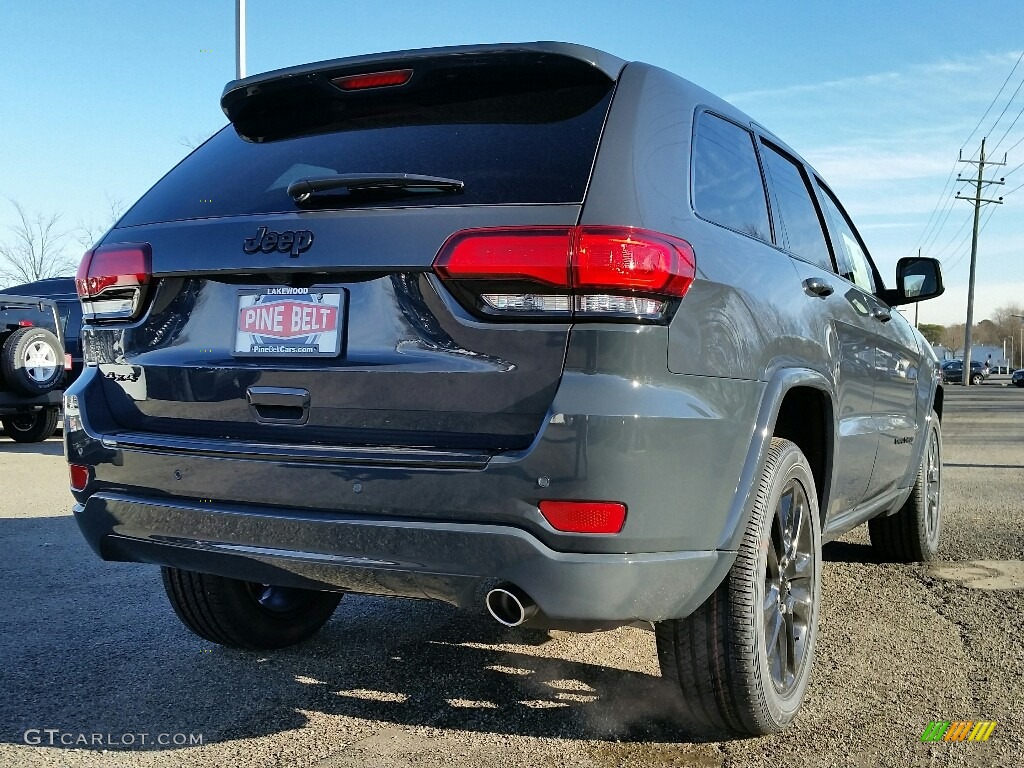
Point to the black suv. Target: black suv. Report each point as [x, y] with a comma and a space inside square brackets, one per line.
[953, 372]
[524, 328]
[61, 291]
[32, 367]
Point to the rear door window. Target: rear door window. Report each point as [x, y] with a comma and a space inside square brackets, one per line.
[727, 184]
[797, 225]
[526, 135]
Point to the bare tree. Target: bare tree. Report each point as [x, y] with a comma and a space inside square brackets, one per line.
[34, 248]
[88, 233]
[193, 141]
[953, 337]
[1008, 317]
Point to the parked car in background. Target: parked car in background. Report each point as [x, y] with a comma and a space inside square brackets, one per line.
[999, 370]
[524, 328]
[32, 367]
[953, 372]
[60, 290]
[1018, 377]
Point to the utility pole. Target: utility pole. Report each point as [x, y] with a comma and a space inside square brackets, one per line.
[978, 201]
[239, 39]
[917, 304]
[1019, 317]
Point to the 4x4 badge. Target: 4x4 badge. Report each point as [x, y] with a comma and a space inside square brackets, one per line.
[294, 243]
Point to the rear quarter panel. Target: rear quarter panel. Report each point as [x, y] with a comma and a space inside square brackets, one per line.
[738, 319]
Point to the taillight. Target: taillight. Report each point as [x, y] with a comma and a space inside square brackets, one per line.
[79, 476]
[583, 271]
[584, 516]
[112, 281]
[25, 323]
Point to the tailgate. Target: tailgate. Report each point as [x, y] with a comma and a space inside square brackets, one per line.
[320, 320]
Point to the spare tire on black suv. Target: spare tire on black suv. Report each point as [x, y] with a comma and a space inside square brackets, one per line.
[32, 363]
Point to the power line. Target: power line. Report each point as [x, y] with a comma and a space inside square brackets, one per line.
[935, 209]
[938, 203]
[1013, 190]
[938, 230]
[1015, 145]
[994, 99]
[953, 265]
[1010, 128]
[1008, 103]
[1015, 169]
[937, 254]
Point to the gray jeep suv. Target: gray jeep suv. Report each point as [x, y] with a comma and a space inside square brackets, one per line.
[523, 328]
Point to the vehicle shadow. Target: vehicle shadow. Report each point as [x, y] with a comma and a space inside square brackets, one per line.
[51, 447]
[94, 647]
[849, 552]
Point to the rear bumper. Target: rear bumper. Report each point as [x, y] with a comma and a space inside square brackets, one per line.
[11, 402]
[452, 562]
[445, 524]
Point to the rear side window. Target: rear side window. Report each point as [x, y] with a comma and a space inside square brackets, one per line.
[853, 261]
[513, 135]
[727, 185]
[797, 226]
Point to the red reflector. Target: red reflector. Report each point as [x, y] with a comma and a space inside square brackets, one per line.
[25, 323]
[373, 80]
[79, 477]
[616, 258]
[67, 361]
[584, 516]
[113, 266]
[537, 254]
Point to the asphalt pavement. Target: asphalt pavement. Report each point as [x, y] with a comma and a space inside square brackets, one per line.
[96, 671]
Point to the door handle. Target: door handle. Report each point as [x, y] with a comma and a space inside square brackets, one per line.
[278, 405]
[815, 286]
[881, 314]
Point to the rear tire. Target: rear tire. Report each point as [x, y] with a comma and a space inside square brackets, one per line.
[32, 361]
[912, 534]
[31, 427]
[977, 379]
[241, 614]
[742, 661]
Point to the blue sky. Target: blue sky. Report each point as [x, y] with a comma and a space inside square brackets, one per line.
[97, 97]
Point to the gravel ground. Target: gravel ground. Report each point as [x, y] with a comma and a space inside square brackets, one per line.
[93, 648]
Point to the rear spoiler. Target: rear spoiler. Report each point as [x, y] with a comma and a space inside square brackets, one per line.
[253, 99]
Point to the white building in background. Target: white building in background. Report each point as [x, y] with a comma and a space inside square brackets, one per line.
[983, 354]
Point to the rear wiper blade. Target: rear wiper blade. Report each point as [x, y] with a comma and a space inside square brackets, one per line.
[303, 189]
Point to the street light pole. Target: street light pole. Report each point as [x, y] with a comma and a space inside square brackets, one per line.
[239, 39]
[1021, 347]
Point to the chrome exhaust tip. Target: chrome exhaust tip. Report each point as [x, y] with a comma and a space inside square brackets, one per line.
[510, 606]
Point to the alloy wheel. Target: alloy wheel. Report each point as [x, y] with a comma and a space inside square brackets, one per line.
[788, 607]
[39, 362]
[932, 488]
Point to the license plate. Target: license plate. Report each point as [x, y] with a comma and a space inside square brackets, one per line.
[290, 322]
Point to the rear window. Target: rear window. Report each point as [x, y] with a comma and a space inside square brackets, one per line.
[727, 185]
[516, 135]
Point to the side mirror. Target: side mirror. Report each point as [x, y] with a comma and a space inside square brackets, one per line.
[917, 278]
